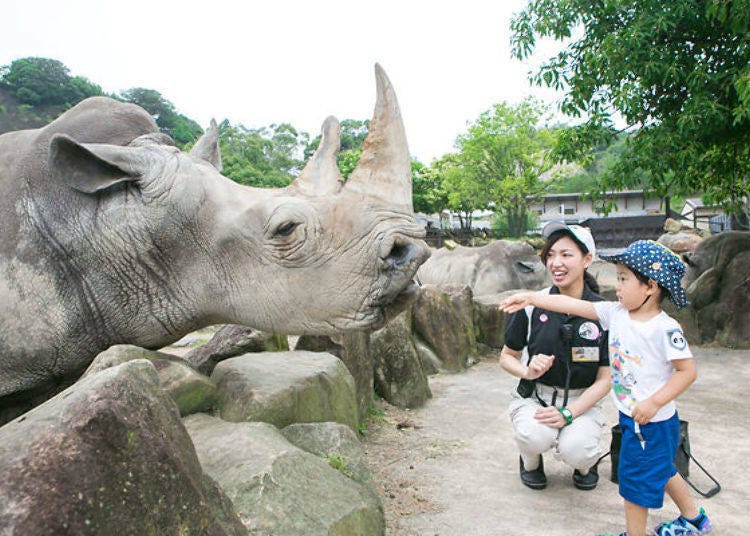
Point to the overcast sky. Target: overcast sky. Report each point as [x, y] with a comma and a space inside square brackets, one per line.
[263, 62]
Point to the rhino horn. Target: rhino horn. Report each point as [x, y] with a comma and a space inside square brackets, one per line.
[321, 174]
[207, 146]
[384, 168]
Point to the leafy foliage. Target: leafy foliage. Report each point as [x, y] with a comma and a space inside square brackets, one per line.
[262, 157]
[428, 193]
[677, 72]
[498, 165]
[182, 129]
[353, 134]
[38, 81]
[597, 164]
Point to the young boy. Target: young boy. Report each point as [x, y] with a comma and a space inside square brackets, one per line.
[651, 365]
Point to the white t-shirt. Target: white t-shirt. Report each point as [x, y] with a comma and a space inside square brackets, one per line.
[640, 355]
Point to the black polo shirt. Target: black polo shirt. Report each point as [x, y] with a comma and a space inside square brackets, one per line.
[578, 344]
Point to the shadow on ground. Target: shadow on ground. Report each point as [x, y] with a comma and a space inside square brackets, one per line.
[451, 468]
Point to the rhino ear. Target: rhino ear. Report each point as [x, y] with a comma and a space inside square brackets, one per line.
[207, 146]
[92, 167]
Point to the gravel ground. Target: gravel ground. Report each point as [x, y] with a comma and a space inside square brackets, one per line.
[450, 468]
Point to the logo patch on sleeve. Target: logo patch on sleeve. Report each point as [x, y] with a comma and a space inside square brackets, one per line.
[677, 339]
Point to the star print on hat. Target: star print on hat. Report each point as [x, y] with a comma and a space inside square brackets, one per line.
[656, 262]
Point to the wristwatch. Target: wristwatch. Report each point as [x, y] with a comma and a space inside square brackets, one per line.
[567, 415]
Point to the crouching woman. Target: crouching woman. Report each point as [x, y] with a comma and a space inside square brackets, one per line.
[563, 365]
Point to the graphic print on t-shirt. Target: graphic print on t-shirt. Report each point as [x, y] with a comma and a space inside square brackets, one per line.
[622, 380]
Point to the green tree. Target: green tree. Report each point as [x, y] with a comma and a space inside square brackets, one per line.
[500, 160]
[428, 194]
[353, 134]
[677, 73]
[39, 81]
[264, 157]
[181, 128]
[464, 194]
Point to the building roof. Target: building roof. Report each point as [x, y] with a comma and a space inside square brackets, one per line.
[577, 195]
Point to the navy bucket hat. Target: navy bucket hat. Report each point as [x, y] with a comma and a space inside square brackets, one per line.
[656, 262]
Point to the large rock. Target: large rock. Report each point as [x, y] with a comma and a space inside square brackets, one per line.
[279, 489]
[672, 226]
[335, 443]
[489, 320]
[717, 287]
[430, 361]
[681, 242]
[191, 391]
[230, 341]
[282, 388]
[399, 376]
[443, 318]
[108, 455]
[353, 348]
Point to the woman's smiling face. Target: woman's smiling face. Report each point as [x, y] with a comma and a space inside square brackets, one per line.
[566, 262]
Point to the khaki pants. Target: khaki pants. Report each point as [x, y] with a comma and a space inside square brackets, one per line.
[576, 444]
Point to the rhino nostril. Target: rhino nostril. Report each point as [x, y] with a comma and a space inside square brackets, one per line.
[400, 254]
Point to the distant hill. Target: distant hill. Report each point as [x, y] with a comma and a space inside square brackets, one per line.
[17, 116]
[35, 91]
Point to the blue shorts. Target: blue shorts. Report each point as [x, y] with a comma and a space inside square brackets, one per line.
[643, 472]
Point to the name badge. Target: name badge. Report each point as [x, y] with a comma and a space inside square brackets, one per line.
[585, 354]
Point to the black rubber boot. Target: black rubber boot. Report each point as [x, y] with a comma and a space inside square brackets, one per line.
[587, 481]
[534, 479]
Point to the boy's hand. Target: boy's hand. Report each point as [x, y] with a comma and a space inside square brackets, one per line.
[516, 302]
[644, 411]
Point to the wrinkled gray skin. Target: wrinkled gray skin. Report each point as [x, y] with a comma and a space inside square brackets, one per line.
[496, 267]
[111, 235]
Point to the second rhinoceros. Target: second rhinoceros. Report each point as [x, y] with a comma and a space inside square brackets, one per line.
[495, 267]
[112, 235]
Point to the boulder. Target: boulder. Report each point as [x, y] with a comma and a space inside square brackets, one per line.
[681, 242]
[718, 290]
[336, 444]
[489, 321]
[444, 319]
[430, 361]
[191, 391]
[399, 376]
[230, 341]
[108, 455]
[353, 348]
[282, 388]
[672, 226]
[280, 489]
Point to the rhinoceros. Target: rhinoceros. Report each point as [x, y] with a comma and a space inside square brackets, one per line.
[495, 267]
[113, 235]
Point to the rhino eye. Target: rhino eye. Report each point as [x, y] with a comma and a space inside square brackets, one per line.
[286, 228]
[525, 267]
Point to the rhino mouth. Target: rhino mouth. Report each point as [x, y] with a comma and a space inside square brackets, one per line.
[401, 301]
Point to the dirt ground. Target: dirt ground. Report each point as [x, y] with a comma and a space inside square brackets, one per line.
[450, 468]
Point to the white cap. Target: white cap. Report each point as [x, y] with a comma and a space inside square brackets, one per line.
[581, 234]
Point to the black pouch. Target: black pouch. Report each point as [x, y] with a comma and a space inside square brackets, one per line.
[525, 388]
[681, 460]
